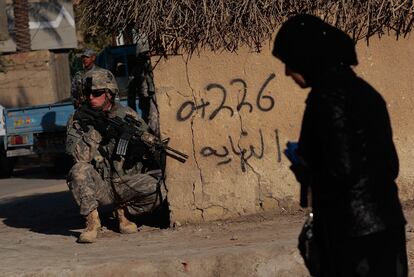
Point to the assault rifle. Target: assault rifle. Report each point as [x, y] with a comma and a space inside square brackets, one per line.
[126, 130]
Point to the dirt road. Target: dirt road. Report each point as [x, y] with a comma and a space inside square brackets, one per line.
[39, 227]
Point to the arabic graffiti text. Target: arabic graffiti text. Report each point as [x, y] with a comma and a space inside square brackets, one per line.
[226, 153]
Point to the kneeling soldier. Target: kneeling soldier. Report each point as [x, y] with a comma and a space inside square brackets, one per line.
[132, 183]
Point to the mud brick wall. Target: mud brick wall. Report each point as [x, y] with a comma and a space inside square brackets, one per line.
[233, 114]
[33, 78]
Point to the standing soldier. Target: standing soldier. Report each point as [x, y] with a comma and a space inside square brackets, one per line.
[132, 183]
[142, 86]
[88, 58]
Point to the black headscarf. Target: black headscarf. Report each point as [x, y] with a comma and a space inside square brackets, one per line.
[311, 47]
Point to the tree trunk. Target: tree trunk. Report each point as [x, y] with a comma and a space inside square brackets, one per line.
[21, 25]
[4, 31]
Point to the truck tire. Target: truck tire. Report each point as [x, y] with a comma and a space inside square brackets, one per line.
[6, 165]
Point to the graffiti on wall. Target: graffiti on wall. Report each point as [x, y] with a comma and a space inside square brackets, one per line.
[243, 154]
[226, 152]
[263, 103]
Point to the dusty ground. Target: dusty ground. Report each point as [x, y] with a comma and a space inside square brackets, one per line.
[38, 231]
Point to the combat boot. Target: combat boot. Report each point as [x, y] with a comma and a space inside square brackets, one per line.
[93, 224]
[125, 226]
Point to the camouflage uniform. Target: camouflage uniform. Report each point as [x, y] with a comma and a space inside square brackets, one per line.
[142, 86]
[100, 177]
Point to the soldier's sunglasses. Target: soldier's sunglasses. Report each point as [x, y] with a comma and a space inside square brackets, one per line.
[97, 92]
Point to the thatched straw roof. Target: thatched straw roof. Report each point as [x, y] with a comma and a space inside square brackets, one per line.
[190, 25]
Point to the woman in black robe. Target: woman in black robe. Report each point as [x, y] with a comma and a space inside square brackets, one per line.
[348, 158]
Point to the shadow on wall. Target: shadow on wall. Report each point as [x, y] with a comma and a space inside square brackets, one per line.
[22, 97]
[51, 213]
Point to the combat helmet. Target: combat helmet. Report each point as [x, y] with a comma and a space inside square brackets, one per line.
[102, 79]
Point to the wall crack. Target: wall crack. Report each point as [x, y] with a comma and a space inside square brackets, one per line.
[245, 162]
[194, 145]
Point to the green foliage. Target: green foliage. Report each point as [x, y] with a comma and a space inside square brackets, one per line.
[87, 37]
[75, 63]
[96, 42]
